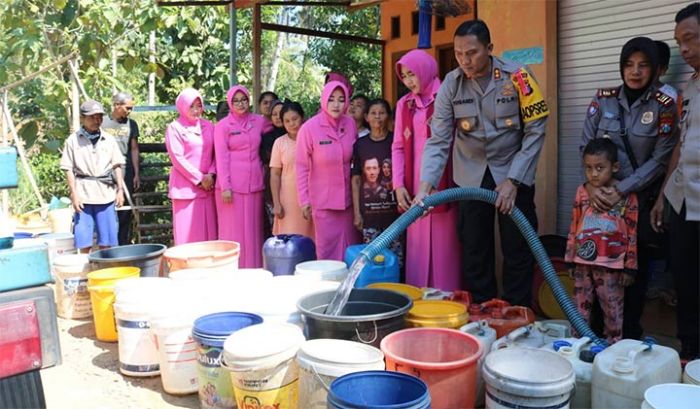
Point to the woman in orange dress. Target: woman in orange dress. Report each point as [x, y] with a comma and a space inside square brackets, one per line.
[283, 183]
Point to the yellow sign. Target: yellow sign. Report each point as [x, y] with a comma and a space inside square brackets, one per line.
[532, 104]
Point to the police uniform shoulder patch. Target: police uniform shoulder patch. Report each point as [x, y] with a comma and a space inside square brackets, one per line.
[663, 99]
[607, 92]
[593, 108]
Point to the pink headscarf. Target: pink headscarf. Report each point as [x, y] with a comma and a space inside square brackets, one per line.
[336, 76]
[327, 91]
[423, 65]
[184, 101]
[229, 98]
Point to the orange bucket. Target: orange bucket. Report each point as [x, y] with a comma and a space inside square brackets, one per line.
[203, 254]
[445, 359]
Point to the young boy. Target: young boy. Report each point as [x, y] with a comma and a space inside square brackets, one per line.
[602, 246]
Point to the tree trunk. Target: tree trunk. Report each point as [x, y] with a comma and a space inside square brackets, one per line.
[277, 55]
[152, 76]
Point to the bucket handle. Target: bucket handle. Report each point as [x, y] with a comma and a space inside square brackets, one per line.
[318, 377]
[359, 337]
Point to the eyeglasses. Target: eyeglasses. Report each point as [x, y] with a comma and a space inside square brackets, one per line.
[129, 108]
[239, 101]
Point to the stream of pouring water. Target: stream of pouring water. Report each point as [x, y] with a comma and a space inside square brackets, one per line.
[340, 298]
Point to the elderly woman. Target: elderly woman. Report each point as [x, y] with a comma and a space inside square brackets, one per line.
[239, 184]
[190, 143]
[324, 153]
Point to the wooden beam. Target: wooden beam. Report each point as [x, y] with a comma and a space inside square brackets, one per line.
[193, 3]
[37, 73]
[306, 3]
[317, 33]
[257, 49]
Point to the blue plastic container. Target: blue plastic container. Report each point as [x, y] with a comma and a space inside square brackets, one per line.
[209, 333]
[378, 389]
[283, 252]
[383, 269]
[19, 235]
[24, 266]
[8, 167]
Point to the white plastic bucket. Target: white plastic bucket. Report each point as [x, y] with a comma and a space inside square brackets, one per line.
[261, 362]
[328, 270]
[220, 274]
[59, 243]
[691, 375]
[281, 295]
[72, 296]
[137, 301]
[177, 354]
[322, 360]
[672, 396]
[61, 220]
[516, 377]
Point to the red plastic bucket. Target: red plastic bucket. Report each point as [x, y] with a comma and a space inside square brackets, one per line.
[445, 359]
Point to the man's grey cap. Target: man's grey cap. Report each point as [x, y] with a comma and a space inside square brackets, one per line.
[91, 107]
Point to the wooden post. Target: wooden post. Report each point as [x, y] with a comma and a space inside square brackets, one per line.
[75, 107]
[5, 193]
[257, 34]
[152, 76]
[23, 156]
[233, 57]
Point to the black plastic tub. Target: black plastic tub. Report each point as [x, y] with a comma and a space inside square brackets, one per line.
[147, 257]
[369, 316]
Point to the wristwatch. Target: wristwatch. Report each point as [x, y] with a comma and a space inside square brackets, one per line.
[515, 182]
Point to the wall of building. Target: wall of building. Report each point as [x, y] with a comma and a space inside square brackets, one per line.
[408, 41]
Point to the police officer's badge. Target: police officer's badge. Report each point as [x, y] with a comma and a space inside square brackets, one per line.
[647, 118]
[508, 90]
[465, 125]
[407, 133]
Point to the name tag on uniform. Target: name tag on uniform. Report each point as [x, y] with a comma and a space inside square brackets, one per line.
[325, 142]
[463, 101]
[234, 133]
[608, 115]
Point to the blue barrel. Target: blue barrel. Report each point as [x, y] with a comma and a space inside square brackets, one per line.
[378, 389]
[384, 268]
[283, 252]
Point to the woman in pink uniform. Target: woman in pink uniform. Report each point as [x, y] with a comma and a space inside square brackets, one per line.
[239, 183]
[324, 153]
[190, 143]
[283, 176]
[432, 246]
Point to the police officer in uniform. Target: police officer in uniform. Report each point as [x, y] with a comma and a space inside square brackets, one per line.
[500, 118]
[643, 122]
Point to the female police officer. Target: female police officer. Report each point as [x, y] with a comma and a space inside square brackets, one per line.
[642, 121]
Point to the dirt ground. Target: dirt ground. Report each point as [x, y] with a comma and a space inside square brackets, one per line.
[89, 376]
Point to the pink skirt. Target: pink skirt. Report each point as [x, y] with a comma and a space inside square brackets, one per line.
[242, 222]
[334, 233]
[194, 220]
[433, 254]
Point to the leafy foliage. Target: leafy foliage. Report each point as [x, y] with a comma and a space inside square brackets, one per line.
[192, 49]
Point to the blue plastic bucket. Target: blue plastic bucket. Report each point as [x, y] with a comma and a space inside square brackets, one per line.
[378, 389]
[210, 332]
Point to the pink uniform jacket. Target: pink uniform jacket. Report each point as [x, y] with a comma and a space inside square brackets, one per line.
[190, 145]
[324, 154]
[237, 139]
